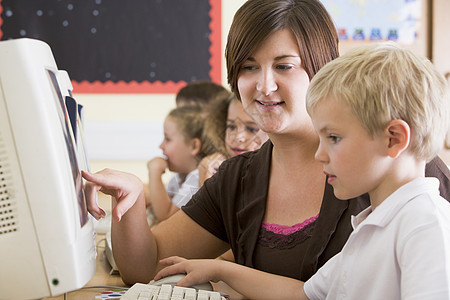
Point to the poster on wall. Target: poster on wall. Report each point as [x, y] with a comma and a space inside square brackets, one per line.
[143, 46]
[376, 20]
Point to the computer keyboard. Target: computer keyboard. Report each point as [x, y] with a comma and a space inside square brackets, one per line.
[140, 291]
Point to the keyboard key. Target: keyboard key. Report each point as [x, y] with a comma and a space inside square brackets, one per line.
[141, 291]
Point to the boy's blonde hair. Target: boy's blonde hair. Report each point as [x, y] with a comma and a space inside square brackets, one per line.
[382, 82]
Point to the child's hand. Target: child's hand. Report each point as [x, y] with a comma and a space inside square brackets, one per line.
[157, 166]
[209, 165]
[197, 271]
[124, 187]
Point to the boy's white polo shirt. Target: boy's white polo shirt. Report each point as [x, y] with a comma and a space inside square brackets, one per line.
[401, 250]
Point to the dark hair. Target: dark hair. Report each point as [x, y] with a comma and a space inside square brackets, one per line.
[308, 20]
[199, 92]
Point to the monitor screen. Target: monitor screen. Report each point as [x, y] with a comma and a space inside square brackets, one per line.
[67, 127]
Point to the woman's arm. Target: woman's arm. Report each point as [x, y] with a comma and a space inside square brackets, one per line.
[251, 283]
[137, 250]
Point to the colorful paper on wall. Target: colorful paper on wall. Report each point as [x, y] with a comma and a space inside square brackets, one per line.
[376, 20]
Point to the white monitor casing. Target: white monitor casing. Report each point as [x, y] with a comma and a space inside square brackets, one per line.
[47, 243]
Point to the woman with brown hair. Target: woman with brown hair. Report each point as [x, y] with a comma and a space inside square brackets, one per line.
[272, 207]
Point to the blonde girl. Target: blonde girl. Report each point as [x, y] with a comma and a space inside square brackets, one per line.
[181, 147]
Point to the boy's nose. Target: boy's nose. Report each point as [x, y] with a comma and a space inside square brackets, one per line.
[320, 155]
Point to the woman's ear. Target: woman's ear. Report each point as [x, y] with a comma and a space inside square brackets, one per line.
[196, 145]
[399, 135]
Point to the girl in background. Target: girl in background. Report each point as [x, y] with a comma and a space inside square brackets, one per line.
[181, 145]
[229, 131]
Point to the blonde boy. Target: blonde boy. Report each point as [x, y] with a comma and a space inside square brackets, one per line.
[381, 113]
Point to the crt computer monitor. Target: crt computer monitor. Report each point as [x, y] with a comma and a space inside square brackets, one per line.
[47, 242]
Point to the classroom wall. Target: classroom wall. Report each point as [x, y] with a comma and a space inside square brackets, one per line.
[123, 131]
[441, 50]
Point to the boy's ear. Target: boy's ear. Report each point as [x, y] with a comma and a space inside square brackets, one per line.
[196, 145]
[399, 135]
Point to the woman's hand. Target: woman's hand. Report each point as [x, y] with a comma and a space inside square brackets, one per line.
[125, 188]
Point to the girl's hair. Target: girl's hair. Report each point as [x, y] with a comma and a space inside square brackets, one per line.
[190, 122]
[383, 82]
[308, 20]
[216, 113]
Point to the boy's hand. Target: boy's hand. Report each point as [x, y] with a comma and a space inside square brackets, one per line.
[197, 271]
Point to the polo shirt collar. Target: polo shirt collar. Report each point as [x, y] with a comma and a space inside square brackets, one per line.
[390, 207]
